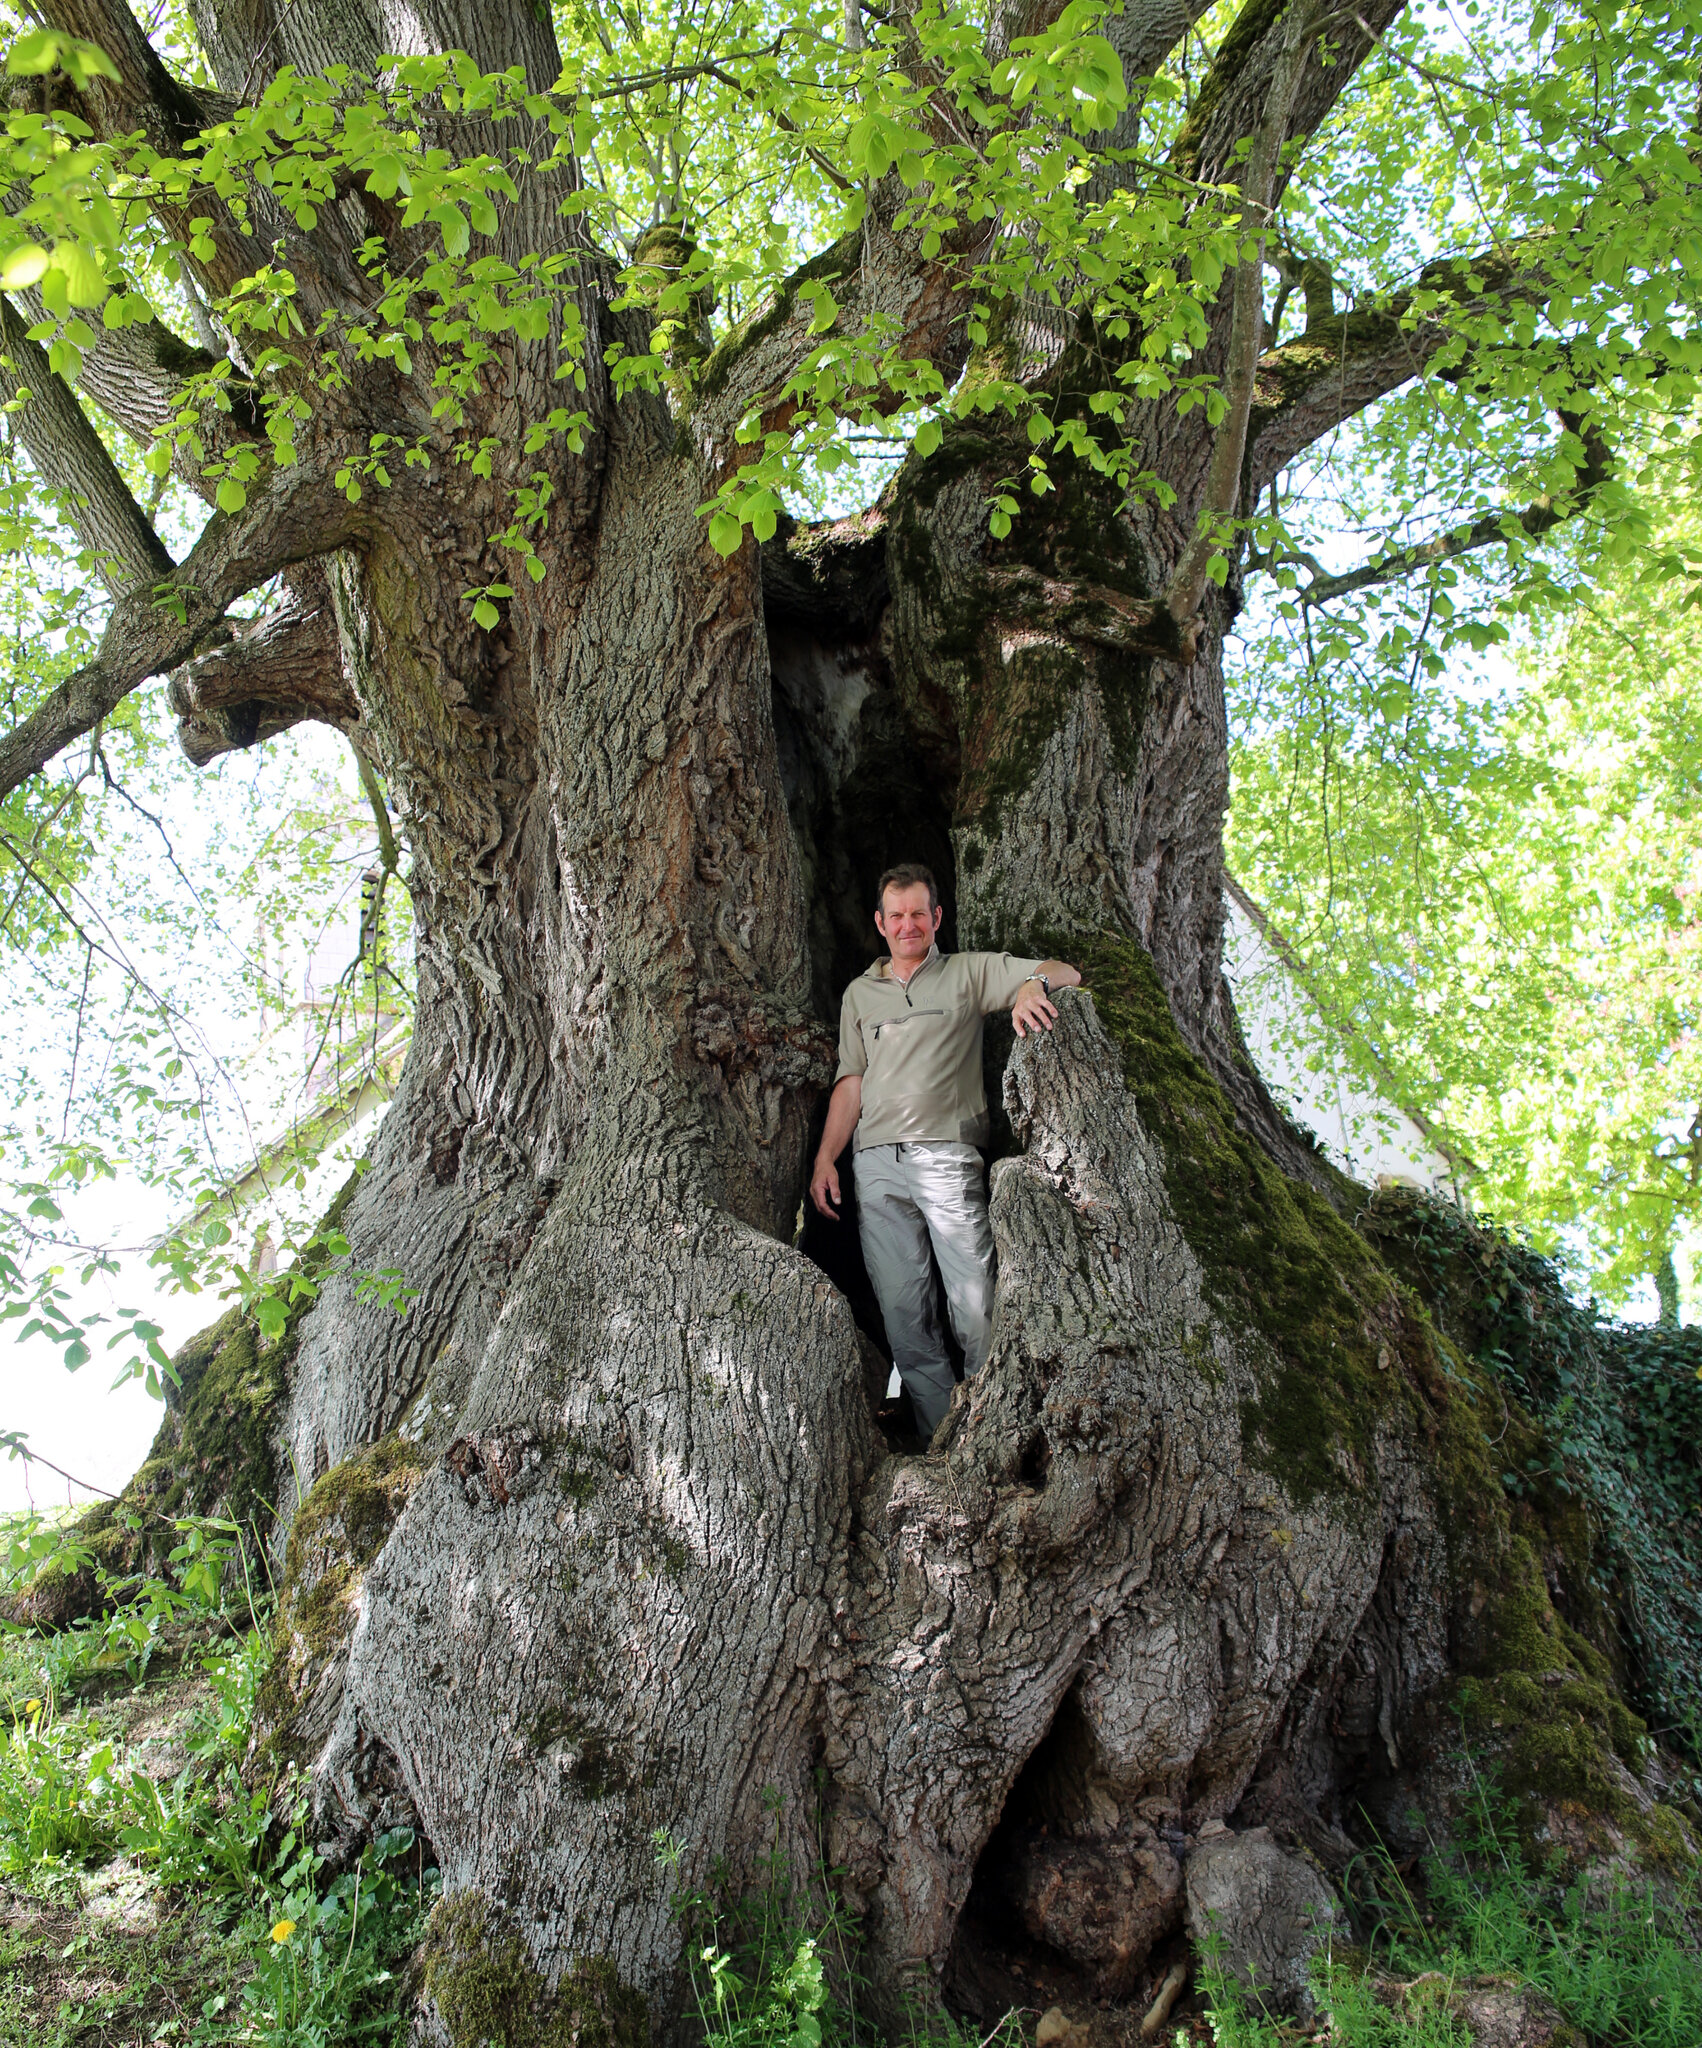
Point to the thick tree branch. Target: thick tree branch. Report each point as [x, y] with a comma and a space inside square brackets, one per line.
[248, 46]
[1247, 314]
[272, 673]
[874, 275]
[136, 374]
[153, 629]
[1342, 364]
[1235, 97]
[144, 95]
[1533, 520]
[147, 98]
[72, 460]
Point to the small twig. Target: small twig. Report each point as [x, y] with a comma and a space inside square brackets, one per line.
[1168, 1993]
[77, 1041]
[17, 1448]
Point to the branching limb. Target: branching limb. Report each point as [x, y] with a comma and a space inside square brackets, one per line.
[136, 375]
[1247, 316]
[72, 460]
[275, 672]
[1534, 520]
[153, 629]
[877, 278]
[374, 791]
[1234, 100]
[144, 94]
[1346, 362]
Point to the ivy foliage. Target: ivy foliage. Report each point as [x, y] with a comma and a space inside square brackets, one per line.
[1620, 1409]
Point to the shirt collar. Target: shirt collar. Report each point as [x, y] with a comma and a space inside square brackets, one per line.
[883, 968]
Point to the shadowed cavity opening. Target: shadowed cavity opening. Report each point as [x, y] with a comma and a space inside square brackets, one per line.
[1076, 1899]
[870, 775]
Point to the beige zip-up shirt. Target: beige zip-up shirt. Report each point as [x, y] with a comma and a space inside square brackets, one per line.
[918, 1045]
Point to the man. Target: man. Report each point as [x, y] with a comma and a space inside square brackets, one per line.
[909, 1086]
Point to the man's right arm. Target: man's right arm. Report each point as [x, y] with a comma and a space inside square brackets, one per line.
[844, 1107]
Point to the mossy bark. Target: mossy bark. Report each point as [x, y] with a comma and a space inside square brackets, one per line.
[215, 1454]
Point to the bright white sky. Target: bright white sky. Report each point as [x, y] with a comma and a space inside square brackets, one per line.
[225, 815]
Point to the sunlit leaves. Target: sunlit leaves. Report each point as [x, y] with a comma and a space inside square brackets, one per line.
[45, 49]
[1496, 892]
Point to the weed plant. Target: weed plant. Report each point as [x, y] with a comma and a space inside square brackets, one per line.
[303, 1957]
[776, 1968]
[1619, 1956]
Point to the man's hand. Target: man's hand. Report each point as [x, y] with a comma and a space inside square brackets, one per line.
[1033, 1010]
[824, 1188]
[844, 1107]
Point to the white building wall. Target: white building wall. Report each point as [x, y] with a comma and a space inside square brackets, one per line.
[1364, 1133]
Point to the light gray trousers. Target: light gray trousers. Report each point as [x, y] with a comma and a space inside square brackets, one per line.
[907, 1197]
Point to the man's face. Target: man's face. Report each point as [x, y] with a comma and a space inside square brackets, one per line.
[906, 923]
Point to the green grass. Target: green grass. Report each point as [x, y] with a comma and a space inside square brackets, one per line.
[1619, 1955]
[147, 1893]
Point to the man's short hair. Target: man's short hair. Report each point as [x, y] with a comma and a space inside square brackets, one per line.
[905, 876]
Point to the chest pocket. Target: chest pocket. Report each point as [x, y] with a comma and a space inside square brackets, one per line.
[889, 1031]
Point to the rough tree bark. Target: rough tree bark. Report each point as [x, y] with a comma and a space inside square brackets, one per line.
[601, 1539]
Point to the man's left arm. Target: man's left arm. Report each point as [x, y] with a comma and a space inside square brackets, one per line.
[1034, 1009]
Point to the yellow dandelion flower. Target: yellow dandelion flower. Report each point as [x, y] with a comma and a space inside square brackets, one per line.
[283, 1930]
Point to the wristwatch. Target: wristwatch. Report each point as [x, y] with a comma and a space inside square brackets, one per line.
[1044, 983]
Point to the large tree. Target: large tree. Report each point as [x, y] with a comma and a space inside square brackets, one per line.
[601, 1540]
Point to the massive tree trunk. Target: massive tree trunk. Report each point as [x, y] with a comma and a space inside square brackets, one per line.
[601, 1540]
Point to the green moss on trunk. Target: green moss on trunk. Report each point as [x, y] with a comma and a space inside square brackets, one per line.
[1273, 1253]
[487, 1989]
[339, 1529]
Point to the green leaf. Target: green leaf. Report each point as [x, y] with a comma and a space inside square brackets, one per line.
[387, 177]
[486, 613]
[21, 266]
[35, 53]
[85, 285]
[453, 222]
[271, 1316]
[726, 532]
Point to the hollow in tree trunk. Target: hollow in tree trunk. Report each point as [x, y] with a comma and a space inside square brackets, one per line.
[601, 1544]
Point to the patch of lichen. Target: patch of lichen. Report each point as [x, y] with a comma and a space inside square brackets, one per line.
[1272, 1252]
[339, 1529]
[490, 1994]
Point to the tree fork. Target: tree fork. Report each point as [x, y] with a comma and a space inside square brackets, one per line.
[601, 1539]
